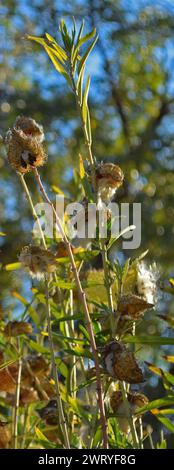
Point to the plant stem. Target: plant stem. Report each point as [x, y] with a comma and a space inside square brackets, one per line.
[82, 298]
[73, 375]
[88, 142]
[129, 416]
[26, 416]
[54, 369]
[17, 397]
[59, 402]
[35, 216]
[108, 286]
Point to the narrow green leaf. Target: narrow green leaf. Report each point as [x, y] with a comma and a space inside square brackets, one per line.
[57, 65]
[86, 55]
[81, 167]
[79, 84]
[86, 38]
[165, 421]
[57, 47]
[125, 230]
[40, 435]
[88, 126]
[12, 266]
[37, 347]
[85, 100]
[80, 32]
[84, 331]
[156, 340]
[62, 368]
[30, 310]
[156, 404]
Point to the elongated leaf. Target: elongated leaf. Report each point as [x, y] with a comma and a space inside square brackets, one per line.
[81, 167]
[86, 55]
[169, 358]
[37, 347]
[40, 435]
[79, 352]
[164, 374]
[165, 421]
[57, 190]
[85, 100]
[57, 47]
[156, 340]
[8, 363]
[88, 126]
[65, 284]
[167, 411]
[84, 331]
[57, 64]
[2, 234]
[87, 37]
[156, 404]
[13, 266]
[61, 366]
[127, 229]
[30, 310]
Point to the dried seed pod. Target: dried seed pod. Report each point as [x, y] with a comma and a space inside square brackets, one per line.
[24, 145]
[40, 368]
[135, 400]
[27, 396]
[16, 328]
[109, 178]
[5, 435]
[120, 363]
[30, 127]
[47, 387]
[85, 219]
[38, 364]
[7, 382]
[132, 306]
[1, 357]
[49, 413]
[37, 261]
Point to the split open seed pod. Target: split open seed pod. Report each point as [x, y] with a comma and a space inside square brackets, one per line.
[24, 145]
[16, 328]
[121, 364]
[5, 435]
[37, 261]
[135, 400]
[109, 178]
[132, 306]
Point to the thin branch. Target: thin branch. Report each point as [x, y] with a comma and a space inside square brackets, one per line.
[87, 141]
[108, 286]
[61, 416]
[82, 298]
[17, 397]
[129, 416]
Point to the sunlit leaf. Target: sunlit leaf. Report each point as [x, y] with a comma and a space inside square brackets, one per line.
[12, 266]
[155, 340]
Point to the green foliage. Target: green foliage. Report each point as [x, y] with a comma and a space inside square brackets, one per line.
[127, 124]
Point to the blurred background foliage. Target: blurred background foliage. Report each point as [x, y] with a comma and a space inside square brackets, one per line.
[132, 110]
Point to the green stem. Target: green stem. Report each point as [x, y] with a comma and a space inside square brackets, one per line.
[82, 299]
[62, 422]
[17, 397]
[34, 213]
[108, 287]
[88, 142]
[129, 416]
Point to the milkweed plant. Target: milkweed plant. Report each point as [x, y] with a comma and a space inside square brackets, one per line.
[70, 375]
